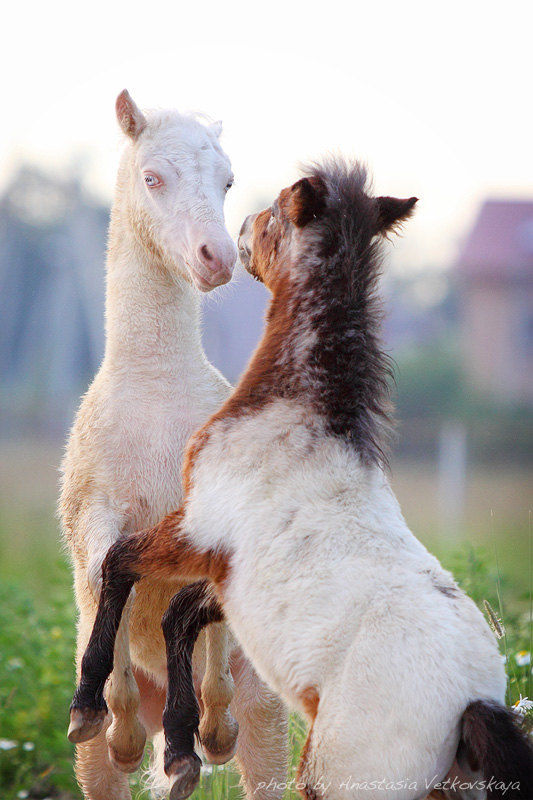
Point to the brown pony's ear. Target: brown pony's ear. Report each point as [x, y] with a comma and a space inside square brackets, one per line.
[306, 201]
[392, 212]
[130, 118]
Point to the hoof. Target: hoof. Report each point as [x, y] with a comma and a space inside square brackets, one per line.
[85, 724]
[125, 744]
[184, 774]
[219, 757]
[219, 746]
[125, 763]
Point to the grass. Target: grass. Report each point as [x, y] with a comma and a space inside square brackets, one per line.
[37, 676]
[37, 631]
[37, 640]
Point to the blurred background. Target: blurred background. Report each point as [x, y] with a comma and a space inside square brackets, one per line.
[434, 97]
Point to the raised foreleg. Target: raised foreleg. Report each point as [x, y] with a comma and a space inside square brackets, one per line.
[98, 529]
[262, 743]
[161, 552]
[97, 777]
[218, 729]
[190, 610]
[125, 735]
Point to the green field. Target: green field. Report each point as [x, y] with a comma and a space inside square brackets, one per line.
[490, 556]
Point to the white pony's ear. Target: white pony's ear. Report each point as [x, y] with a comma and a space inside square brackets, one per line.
[216, 127]
[130, 118]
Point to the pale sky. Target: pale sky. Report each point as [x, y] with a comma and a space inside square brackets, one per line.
[436, 97]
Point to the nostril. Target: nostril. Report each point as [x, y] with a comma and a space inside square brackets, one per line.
[206, 253]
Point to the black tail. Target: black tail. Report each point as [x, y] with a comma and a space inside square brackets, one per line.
[497, 750]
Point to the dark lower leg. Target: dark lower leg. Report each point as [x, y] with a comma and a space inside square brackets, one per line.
[88, 706]
[189, 611]
[156, 552]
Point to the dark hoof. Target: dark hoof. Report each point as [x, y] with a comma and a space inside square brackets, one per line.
[85, 724]
[125, 763]
[184, 774]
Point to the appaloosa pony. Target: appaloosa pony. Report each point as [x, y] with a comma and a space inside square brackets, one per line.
[289, 513]
[122, 469]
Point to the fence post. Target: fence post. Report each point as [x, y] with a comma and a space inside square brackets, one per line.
[452, 476]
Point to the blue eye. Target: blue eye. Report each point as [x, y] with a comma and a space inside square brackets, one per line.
[151, 180]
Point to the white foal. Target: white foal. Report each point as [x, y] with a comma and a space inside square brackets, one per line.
[122, 468]
[289, 513]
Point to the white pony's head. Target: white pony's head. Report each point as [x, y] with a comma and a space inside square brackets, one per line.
[176, 176]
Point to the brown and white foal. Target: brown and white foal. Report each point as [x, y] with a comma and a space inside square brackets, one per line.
[288, 513]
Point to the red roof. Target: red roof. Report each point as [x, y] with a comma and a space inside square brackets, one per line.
[501, 241]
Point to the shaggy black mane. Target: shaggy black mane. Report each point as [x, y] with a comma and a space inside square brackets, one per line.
[350, 371]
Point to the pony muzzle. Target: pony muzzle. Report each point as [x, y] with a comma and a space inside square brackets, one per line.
[245, 242]
[214, 263]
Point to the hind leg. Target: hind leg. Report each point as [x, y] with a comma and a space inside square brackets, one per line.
[97, 777]
[305, 774]
[262, 746]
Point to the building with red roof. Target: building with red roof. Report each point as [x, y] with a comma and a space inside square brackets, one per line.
[495, 271]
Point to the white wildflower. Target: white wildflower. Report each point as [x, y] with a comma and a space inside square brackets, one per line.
[23, 794]
[522, 706]
[523, 658]
[28, 746]
[7, 744]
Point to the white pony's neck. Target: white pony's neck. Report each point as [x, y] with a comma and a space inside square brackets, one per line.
[152, 317]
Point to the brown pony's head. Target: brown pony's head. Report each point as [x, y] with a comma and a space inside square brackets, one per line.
[266, 238]
[318, 250]
[270, 239]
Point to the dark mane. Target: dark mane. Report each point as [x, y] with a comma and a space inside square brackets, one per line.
[348, 362]
[321, 345]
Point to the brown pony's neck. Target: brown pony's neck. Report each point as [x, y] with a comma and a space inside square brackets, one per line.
[321, 348]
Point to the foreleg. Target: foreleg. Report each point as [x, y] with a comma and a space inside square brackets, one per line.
[190, 610]
[97, 777]
[99, 529]
[126, 736]
[161, 552]
[218, 729]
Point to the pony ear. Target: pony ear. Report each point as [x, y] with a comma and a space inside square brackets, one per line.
[216, 127]
[306, 201]
[392, 212]
[130, 118]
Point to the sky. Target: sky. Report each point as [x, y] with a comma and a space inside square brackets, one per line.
[436, 97]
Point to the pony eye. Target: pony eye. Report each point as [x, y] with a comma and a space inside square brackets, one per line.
[229, 185]
[151, 180]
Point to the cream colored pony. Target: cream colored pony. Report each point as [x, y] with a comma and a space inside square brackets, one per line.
[122, 469]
